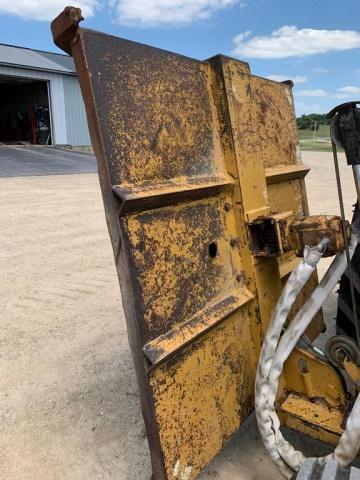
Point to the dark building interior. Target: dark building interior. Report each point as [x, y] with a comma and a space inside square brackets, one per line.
[24, 111]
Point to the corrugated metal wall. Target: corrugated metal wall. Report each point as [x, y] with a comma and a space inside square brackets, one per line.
[68, 118]
[76, 124]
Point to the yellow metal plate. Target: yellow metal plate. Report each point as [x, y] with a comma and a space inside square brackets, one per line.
[188, 152]
[314, 418]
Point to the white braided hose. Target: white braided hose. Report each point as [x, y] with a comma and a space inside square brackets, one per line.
[291, 337]
[283, 454]
[295, 283]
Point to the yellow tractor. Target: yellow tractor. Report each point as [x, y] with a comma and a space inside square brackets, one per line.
[205, 201]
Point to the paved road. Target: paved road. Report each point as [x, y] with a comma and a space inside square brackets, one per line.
[18, 161]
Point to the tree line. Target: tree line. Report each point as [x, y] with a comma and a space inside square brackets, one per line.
[312, 121]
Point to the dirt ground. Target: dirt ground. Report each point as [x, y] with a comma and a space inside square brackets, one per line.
[68, 397]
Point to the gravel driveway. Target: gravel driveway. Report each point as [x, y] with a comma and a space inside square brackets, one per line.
[68, 397]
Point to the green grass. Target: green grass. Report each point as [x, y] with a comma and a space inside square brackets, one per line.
[323, 132]
[316, 147]
[321, 143]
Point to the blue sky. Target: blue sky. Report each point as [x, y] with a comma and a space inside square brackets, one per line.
[314, 42]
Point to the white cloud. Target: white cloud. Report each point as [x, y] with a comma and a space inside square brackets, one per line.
[40, 10]
[167, 12]
[311, 93]
[321, 70]
[289, 41]
[346, 92]
[127, 12]
[349, 90]
[340, 95]
[305, 108]
[283, 78]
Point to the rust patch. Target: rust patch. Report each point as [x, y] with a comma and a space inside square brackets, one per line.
[176, 273]
[325, 423]
[154, 109]
[146, 196]
[212, 382]
[170, 343]
[310, 230]
[274, 118]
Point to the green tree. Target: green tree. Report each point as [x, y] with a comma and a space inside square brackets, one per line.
[308, 121]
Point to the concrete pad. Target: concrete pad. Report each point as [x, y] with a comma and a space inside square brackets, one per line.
[35, 160]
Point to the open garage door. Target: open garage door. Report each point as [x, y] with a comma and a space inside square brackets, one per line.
[24, 111]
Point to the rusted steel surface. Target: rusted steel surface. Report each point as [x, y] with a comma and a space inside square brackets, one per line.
[182, 147]
[315, 400]
[179, 337]
[310, 230]
[64, 28]
[203, 395]
[275, 235]
[312, 418]
[269, 235]
[274, 116]
[283, 173]
[315, 378]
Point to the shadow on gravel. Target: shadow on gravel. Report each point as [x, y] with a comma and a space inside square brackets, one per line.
[18, 161]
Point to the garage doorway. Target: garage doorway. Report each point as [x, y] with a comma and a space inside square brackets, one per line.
[24, 111]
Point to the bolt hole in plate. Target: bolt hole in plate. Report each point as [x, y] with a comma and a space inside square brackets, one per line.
[213, 249]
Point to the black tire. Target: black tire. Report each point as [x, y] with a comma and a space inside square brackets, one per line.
[345, 324]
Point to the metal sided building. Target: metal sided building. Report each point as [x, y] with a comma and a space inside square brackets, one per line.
[40, 99]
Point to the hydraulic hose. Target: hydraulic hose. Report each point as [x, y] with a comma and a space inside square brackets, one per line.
[275, 353]
[292, 336]
[295, 283]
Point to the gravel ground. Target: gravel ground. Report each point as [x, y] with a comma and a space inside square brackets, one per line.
[68, 397]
